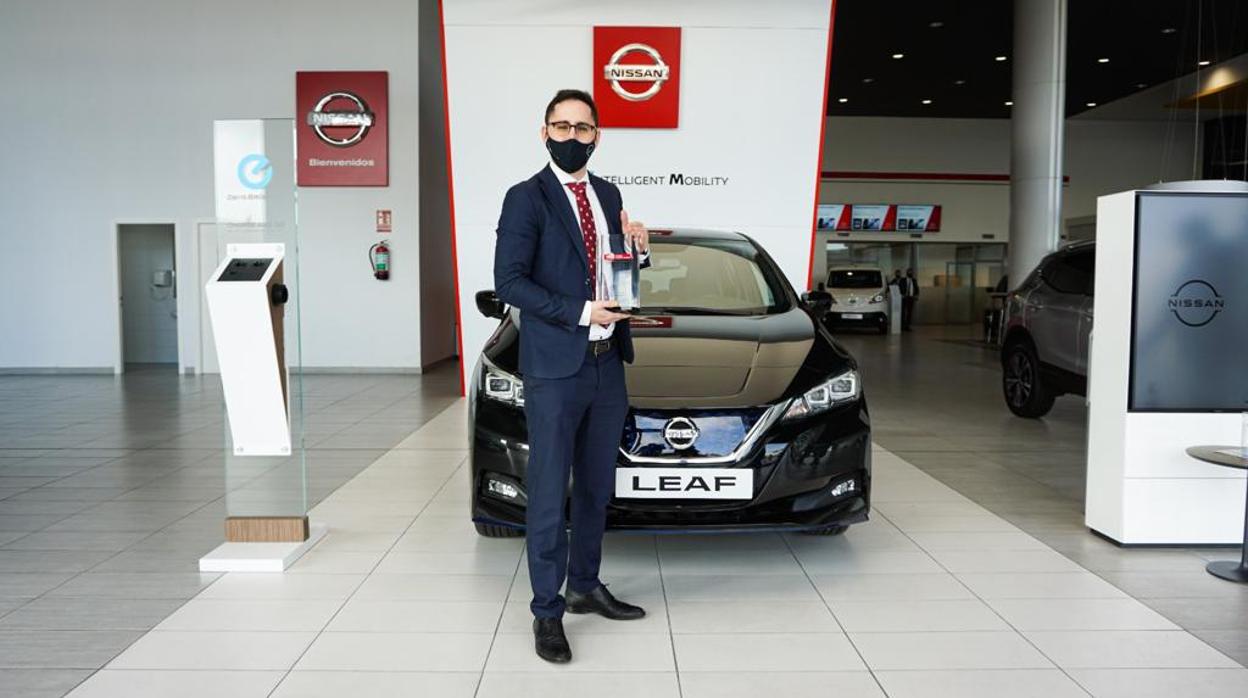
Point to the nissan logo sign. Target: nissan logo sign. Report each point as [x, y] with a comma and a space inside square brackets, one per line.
[1196, 303]
[680, 433]
[655, 73]
[358, 118]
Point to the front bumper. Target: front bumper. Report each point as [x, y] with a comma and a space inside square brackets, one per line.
[796, 465]
[866, 318]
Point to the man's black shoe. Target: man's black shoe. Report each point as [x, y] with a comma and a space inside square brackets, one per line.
[552, 644]
[601, 601]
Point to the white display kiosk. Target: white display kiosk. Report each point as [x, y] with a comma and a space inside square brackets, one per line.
[1168, 363]
[245, 297]
[894, 311]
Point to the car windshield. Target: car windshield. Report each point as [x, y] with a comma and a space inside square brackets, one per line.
[710, 276]
[854, 278]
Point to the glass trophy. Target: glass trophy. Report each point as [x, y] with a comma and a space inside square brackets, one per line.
[625, 277]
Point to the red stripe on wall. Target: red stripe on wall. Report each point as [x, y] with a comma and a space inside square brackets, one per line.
[450, 190]
[823, 122]
[929, 176]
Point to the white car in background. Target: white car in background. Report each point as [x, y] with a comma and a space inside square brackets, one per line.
[859, 297]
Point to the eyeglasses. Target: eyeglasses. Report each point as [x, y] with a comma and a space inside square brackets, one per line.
[563, 129]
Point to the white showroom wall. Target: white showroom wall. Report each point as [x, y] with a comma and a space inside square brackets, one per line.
[778, 49]
[115, 101]
[1101, 157]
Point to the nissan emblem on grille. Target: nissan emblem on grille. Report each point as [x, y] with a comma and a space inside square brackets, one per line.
[680, 433]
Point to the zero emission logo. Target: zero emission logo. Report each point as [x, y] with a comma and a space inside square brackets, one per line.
[255, 171]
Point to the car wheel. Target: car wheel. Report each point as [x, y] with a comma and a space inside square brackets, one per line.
[493, 531]
[884, 327]
[826, 531]
[1025, 393]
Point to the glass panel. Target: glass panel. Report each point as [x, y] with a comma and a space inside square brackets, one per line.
[959, 290]
[256, 203]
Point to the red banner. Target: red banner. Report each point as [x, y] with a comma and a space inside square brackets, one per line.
[343, 129]
[637, 76]
[913, 218]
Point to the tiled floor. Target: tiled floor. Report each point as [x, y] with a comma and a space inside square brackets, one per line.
[974, 577]
[405, 598]
[936, 402]
[111, 488]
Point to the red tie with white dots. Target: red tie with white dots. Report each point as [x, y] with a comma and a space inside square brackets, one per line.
[588, 231]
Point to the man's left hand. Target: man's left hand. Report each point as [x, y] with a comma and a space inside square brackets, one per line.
[635, 232]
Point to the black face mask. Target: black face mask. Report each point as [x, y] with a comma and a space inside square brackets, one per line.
[570, 155]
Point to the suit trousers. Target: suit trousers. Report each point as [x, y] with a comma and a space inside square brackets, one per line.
[574, 428]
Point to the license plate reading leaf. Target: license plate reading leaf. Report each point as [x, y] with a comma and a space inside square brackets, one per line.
[684, 483]
[852, 316]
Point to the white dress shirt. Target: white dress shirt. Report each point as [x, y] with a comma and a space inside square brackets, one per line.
[601, 231]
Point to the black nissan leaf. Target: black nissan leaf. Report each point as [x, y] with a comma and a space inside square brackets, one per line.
[745, 414]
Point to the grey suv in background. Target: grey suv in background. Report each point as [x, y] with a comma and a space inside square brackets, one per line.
[1044, 349]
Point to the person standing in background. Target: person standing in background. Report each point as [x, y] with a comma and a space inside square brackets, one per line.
[909, 287]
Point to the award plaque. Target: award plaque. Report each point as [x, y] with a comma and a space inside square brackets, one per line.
[625, 278]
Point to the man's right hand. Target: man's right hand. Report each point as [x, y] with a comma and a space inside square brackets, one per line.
[601, 312]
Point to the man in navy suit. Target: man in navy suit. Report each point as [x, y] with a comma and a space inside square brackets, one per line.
[554, 229]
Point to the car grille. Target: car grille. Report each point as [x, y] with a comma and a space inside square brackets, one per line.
[719, 432]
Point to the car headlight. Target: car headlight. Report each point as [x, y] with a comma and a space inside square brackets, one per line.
[499, 385]
[878, 298]
[826, 395]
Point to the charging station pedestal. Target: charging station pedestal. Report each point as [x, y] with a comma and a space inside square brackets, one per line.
[245, 299]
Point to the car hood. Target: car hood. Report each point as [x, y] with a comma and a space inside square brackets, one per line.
[855, 296]
[716, 361]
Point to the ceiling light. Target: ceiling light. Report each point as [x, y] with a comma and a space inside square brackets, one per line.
[868, 81]
[1102, 60]
[1009, 104]
[1203, 63]
[1168, 30]
[899, 56]
[1140, 85]
[936, 25]
[999, 58]
[1091, 104]
[843, 100]
[959, 82]
[927, 101]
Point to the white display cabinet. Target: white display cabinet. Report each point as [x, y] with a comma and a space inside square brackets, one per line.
[1168, 365]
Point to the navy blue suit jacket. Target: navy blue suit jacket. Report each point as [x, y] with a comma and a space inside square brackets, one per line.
[541, 267]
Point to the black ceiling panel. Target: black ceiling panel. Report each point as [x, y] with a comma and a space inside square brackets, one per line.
[950, 47]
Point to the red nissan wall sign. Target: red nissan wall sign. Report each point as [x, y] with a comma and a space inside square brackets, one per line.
[637, 76]
[343, 129]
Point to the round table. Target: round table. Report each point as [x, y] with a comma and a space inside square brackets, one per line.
[1226, 456]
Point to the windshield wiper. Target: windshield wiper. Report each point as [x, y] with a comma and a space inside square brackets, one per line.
[689, 310]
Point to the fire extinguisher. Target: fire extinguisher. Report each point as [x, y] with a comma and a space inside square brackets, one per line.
[379, 260]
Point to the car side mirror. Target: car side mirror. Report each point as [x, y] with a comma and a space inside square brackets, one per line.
[489, 304]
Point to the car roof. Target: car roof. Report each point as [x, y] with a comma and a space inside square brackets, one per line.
[854, 267]
[696, 234]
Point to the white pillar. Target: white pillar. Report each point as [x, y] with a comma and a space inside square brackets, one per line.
[1036, 132]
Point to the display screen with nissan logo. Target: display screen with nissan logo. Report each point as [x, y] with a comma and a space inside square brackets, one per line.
[1190, 317]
